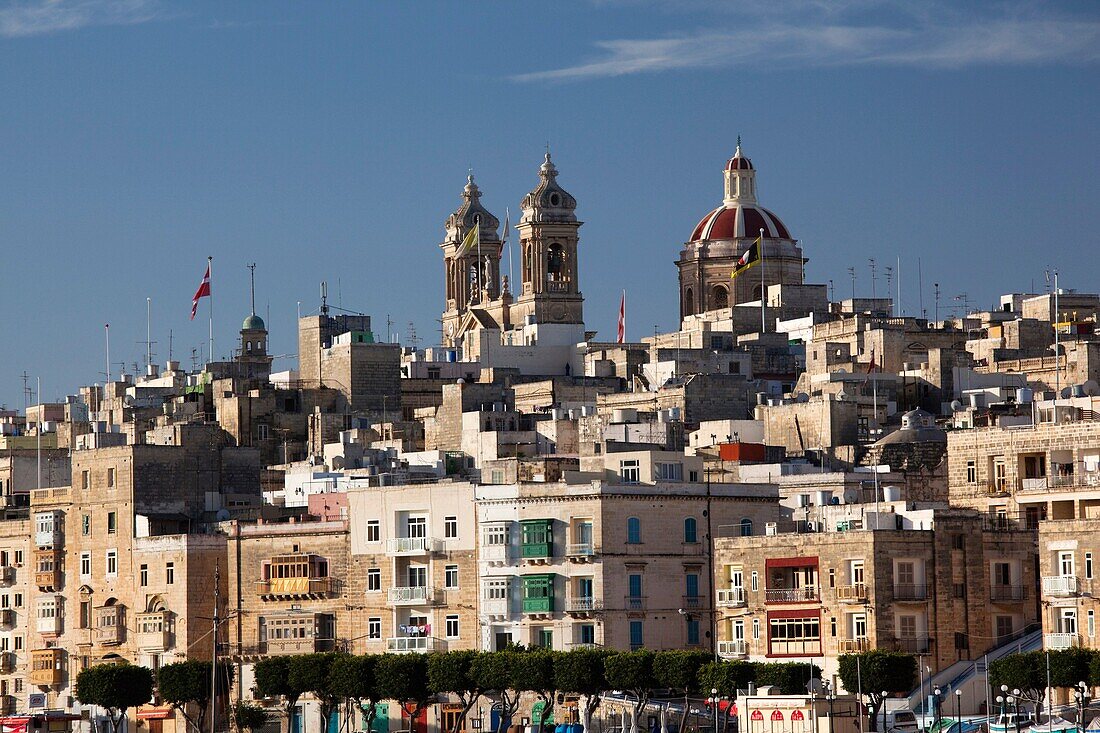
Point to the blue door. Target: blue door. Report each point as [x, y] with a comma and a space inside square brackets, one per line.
[296, 721]
[494, 720]
[334, 722]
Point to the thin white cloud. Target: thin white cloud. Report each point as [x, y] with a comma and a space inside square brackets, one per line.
[38, 17]
[822, 38]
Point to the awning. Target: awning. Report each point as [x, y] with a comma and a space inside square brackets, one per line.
[155, 713]
[15, 724]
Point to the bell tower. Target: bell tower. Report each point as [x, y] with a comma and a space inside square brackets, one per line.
[549, 283]
[471, 265]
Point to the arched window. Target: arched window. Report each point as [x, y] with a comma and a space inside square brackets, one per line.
[249, 346]
[689, 302]
[527, 263]
[555, 263]
[757, 291]
[633, 531]
[746, 527]
[719, 297]
[691, 530]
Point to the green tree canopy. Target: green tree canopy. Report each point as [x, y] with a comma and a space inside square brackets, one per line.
[1068, 667]
[581, 671]
[115, 688]
[727, 676]
[452, 673]
[632, 672]
[678, 670]
[403, 678]
[273, 680]
[310, 673]
[249, 717]
[187, 684]
[535, 673]
[878, 671]
[790, 677]
[494, 674]
[1025, 672]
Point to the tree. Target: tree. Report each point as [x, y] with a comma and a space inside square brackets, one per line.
[273, 680]
[727, 677]
[403, 678]
[351, 678]
[495, 674]
[115, 688]
[249, 717]
[535, 673]
[790, 677]
[878, 671]
[310, 673]
[679, 670]
[452, 673]
[631, 672]
[580, 671]
[184, 684]
[1068, 667]
[1025, 672]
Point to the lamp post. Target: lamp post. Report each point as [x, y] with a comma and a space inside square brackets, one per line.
[713, 700]
[870, 713]
[830, 697]
[958, 708]
[1016, 695]
[936, 712]
[1081, 695]
[882, 696]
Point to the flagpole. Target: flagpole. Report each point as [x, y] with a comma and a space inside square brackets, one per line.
[210, 296]
[763, 294]
[480, 264]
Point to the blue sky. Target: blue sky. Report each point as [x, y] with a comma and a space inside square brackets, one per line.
[331, 140]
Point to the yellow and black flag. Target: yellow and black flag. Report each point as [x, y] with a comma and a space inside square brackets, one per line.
[747, 261]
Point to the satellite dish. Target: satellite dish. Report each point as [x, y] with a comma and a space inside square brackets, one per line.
[802, 397]
[813, 686]
[1092, 389]
[841, 396]
[956, 405]
[1066, 393]
[222, 515]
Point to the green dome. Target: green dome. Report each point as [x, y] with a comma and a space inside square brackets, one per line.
[253, 323]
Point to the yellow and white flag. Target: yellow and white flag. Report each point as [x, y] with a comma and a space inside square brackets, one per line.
[470, 241]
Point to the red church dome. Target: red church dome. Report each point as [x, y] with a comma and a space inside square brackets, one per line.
[737, 221]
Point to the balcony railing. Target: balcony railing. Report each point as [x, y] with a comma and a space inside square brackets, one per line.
[913, 644]
[493, 553]
[732, 649]
[693, 602]
[730, 597]
[852, 646]
[791, 595]
[413, 595]
[494, 606]
[1061, 641]
[854, 593]
[635, 603]
[1014, 521]
[413, 545]
[109, 626]
[910, 592]
[403, 644]
[799, 647]
[1060, 585]
[580, 550]
[583, 604]
[277, 588]
[1002, 593]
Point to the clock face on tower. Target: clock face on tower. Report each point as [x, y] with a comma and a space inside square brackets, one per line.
[450, 329]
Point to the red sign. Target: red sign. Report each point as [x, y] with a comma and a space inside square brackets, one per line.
[777, 715]
[797, 715]
[757, 715]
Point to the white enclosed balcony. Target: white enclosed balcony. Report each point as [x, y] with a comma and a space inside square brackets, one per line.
[413, 595]
[418, 644]
[733, 649]
[1060, 641]
[730, 597]
[1060, 585]
[410, 546]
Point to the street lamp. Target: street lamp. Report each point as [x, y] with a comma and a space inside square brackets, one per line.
[713, 700]
[882, 696]
[936, 712]
[1016, 694]
[1081, 695]
[830, 697]
[958, 708]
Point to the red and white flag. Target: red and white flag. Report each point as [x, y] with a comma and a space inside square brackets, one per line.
[202, 292]
[622, 319]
